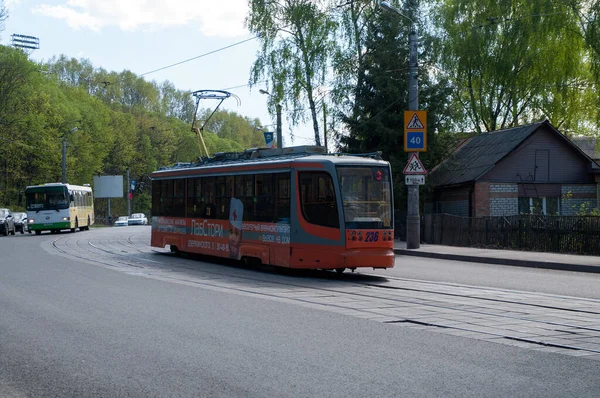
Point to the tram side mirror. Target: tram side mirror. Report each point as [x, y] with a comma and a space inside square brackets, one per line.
[72, 198]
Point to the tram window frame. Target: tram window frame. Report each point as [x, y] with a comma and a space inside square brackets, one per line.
[322, 208]
[209, 205]
[224, 190]
[178, 209]
[264, 209]
[193, 194]
[283, 184]
[244, 191]
[156, 197]
[167, 198]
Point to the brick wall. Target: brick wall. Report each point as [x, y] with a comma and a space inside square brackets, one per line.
[504, 199]
[576, 198]
[481, 199]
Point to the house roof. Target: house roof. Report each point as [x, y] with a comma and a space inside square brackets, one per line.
[477, 155]
[480, 153]
[589, 145]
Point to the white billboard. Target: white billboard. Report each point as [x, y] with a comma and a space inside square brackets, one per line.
[108, 186]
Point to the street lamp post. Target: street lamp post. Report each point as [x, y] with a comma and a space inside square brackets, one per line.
[278, 110]
[413, 219]
[64, 155]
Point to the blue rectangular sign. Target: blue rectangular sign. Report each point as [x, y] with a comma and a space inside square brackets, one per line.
[415, 141]
[269, 139]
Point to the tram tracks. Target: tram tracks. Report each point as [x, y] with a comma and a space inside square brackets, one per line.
[551, 322]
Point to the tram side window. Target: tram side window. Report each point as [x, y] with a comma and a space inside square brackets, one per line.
[264, 209]
[166, 197]
[194, 197]
[282, 197]
[317, 197]
[224, 192]
[244, 191]
[178, 198]
[209, 206]
[156, 198]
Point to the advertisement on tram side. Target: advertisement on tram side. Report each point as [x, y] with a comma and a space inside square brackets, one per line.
[221, 238]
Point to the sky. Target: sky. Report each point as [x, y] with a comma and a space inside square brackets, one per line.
[145, 35]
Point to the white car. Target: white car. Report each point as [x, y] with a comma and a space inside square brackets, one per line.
[138, 219]
[122, 221]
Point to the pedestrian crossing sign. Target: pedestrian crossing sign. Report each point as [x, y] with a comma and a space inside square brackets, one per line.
[415, 131]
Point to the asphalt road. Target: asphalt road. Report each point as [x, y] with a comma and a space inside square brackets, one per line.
[153, 325]
[568, 283]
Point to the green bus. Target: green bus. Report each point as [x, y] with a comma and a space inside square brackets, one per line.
[54, 207]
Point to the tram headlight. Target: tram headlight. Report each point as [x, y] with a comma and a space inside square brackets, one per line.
[66, 218]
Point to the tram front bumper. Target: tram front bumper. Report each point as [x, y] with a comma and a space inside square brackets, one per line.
[376, 258]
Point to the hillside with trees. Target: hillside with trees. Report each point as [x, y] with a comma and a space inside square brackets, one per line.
[124, 122]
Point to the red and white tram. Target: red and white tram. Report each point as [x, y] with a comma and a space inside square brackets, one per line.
[293, 207]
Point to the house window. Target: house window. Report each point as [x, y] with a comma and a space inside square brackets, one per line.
[540, 206]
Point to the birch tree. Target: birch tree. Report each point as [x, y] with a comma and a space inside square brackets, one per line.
[295, 50]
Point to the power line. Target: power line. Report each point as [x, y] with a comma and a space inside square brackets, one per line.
[199, 56]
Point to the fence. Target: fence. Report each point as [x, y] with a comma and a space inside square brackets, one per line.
[559, 234]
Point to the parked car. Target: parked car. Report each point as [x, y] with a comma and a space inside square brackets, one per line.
[138, 219]
[122, 221]
[7, 224]
[20, 220]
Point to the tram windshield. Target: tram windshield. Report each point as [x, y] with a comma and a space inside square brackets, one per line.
[47, 198]
[366, 196]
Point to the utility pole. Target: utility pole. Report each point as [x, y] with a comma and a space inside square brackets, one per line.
[64, 160]
[278, 110]
[413, 219]
[128, 195]
[325, 126]
[279, 138]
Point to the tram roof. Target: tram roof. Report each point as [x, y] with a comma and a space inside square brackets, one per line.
[255, 156]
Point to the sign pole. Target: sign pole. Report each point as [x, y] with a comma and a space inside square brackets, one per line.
[413, 219]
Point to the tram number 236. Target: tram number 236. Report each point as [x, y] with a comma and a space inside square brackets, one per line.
[372, 237]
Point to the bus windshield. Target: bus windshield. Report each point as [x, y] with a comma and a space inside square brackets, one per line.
[47, 198]
[366, 197]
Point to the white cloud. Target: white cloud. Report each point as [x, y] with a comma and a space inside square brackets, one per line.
[212, 17]
[10, 3]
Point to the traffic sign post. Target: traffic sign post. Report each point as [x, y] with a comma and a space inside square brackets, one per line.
[415, 141]
[414, 179]
[415, 131]
[414, 166]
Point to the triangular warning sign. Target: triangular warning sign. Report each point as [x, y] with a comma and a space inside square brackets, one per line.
[415, 123]
[414, 166]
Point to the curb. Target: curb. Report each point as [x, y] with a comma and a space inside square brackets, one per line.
[502, 261]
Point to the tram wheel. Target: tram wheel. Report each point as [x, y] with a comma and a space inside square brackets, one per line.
[340, 270]
[38, 232]
[174, 249]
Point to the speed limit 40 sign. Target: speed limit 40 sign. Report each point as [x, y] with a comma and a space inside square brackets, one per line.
[415, 131]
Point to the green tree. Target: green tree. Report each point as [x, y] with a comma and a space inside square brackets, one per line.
[513, 62]
[375, 120]
[296, 46]
[587, 13]
[351, 52]
[233, 127]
